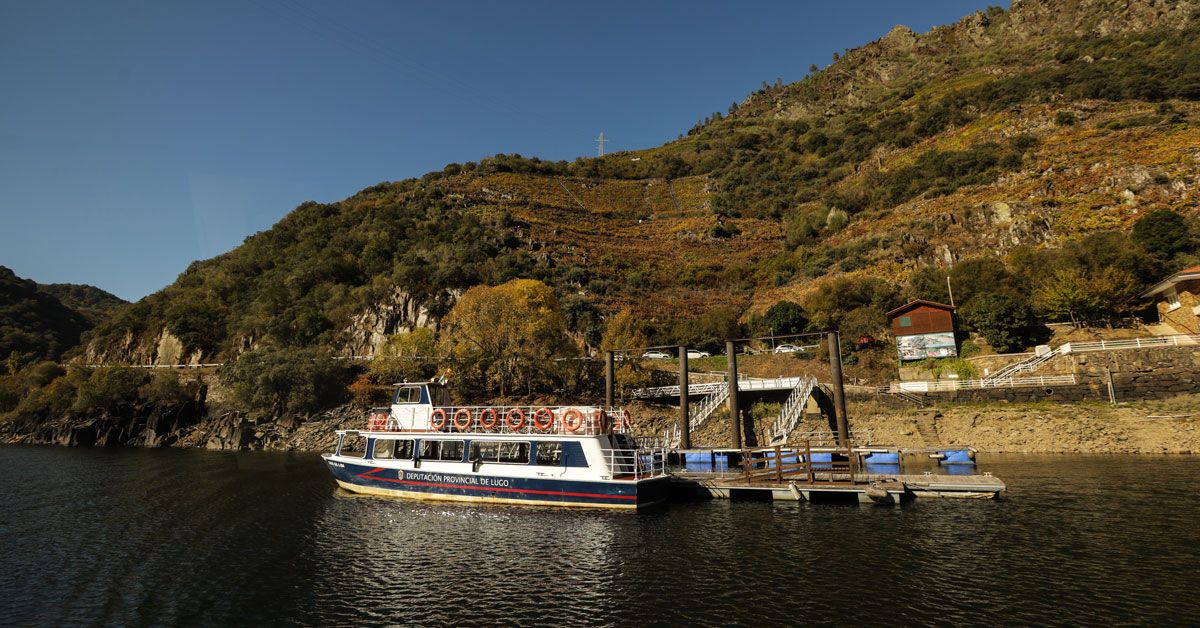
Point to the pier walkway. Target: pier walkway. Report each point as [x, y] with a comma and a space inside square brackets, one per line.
[818, 472]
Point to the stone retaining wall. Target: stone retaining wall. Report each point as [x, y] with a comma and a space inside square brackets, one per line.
[1149, 373]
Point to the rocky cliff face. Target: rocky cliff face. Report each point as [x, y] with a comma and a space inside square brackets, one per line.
[160, 349]
[370, 328]
[984, 42]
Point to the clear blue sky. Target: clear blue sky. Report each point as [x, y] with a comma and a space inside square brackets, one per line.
[138, 136]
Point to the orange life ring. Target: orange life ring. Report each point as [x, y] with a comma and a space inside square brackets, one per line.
[573, 420]
[602, 421]
[515, 425]
[437, 420]
[466, 423]
[373, 423]
[488, 423]
[543, 425]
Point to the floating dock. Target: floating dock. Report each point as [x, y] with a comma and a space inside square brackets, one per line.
[820, 475]
[867, 488]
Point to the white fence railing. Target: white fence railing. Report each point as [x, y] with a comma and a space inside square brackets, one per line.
[673, 391]
[639, 463]
[1132, 343]
[978, 384]
[744, 383]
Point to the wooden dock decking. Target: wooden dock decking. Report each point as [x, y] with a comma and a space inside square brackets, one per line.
[866, 488]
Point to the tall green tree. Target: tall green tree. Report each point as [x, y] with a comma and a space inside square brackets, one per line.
[1163, 232]
[1003, 320]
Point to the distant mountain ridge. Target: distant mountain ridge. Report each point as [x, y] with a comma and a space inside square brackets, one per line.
[33, 322]
[92, 302]
[1014, 129]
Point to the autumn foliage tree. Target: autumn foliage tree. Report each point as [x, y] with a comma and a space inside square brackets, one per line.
[507, 337]
[405, 356]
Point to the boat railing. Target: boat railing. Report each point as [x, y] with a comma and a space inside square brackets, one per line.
[566, 420]
[636, 463]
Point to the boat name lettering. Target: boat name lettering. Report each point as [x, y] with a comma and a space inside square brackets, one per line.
[470, 480]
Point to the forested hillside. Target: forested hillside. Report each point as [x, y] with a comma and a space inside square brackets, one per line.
[1005, 135]
[34, 324]
[92, 302]
[1046, 158]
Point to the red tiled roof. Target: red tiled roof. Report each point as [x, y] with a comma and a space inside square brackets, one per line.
[911, 304]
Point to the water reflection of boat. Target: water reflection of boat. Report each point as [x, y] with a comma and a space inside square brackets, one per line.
[423, 448]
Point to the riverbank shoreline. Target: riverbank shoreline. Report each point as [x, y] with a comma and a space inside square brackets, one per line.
[1168, 426]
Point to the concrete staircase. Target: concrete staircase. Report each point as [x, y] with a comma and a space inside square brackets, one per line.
[927, 428]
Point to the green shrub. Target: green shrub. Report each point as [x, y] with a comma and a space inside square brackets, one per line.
[286, 380]
[165, 389]
[407, 356]
[1065, 118]
[1003, 320]
[783, 318]
[110, 389]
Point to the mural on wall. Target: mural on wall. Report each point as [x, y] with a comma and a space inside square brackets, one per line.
[921, 346]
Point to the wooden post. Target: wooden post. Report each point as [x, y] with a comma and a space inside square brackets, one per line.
[839, 390]
[1112, 390]
[778, 464]
[685, 426]
[735, 417]
[609, 381]
[808, 459]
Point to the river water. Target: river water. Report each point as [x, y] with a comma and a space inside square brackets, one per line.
[152, 537]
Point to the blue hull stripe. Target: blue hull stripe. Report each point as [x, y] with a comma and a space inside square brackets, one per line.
[470, 484]
[369, 475]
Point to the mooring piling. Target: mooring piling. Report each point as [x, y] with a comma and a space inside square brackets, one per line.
[685, 427]
[735, 417]
[839, 390]
[609, 380]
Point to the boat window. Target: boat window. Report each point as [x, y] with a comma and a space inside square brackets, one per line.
[500, 451]
[354, 446]
[384, 448]
[410, 394]
[549, 454]
[442, 450]
[404, 449]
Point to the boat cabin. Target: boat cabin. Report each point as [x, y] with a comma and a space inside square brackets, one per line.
[413, 404]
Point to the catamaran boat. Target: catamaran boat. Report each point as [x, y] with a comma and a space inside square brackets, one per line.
[421, 447]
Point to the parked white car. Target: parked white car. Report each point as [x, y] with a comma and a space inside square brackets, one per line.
[694, 354]
[656, 354]
[789, 349]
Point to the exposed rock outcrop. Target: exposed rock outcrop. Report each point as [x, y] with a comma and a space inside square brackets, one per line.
[371, 327]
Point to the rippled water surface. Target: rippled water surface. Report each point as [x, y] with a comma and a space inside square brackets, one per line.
[149, 537]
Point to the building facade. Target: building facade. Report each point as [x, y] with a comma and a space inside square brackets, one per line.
[1177, 299]
[924, 329]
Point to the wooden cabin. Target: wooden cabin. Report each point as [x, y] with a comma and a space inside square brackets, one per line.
[924, 329]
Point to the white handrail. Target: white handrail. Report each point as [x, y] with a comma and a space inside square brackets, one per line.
[793, 409]
[977, 384]
[1131, 343]
[708, 406]
[640, 463]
